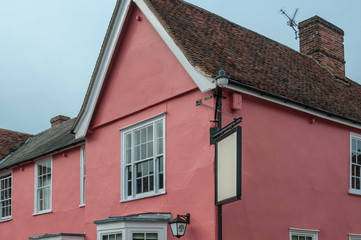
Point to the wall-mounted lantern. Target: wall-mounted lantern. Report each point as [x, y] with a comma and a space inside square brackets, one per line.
[222, 80]
[179, 225]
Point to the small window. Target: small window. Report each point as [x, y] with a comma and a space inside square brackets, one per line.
[43, 186]
[303, 234]
[82, 176]
[143, 160]
[6, 195]
[355, 164]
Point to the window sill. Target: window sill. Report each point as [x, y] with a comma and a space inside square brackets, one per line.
[142, 197]
[6, 219]
[354, 192]
[43, 212]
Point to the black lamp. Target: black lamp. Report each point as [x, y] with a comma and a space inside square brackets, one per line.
[179, 224]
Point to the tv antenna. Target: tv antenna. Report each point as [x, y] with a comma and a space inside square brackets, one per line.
[291, 21]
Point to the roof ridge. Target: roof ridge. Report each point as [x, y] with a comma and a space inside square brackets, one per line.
[8, 130]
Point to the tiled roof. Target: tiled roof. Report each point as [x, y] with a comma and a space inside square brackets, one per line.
[211, 42]
[43, 144]
[10, 141]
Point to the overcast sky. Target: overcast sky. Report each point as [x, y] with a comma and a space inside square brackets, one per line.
[48, 49]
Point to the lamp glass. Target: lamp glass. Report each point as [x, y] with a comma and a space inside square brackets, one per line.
[222, 81]
[178, 229]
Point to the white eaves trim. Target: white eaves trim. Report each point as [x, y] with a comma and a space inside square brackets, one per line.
[204, 83]
[294, 106]
[84, 121]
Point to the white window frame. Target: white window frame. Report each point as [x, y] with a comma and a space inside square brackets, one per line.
[2, 175]
[36, 210]
[352, 236]
[127, 228]
[82, 176]
[124, 183]
[352, 190]
[304, 232]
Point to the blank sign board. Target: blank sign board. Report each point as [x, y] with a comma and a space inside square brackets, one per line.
[229, 166]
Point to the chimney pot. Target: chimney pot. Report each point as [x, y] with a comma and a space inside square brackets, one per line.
[323, 41]
[55, 121]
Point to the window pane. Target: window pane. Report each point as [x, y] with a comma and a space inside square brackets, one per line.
[151, 183]
[128, 141]
[137, 153]
[354, 145]
[150, 149]
[150, 133]
[358, 146]
[105, 237]
[308, 238]
[143, 134]
[138, 236]
[128, 155]
[159, 126]
[152, 236]
[145, 184]
[160, 164]
[294, 237]
[143, 151]
[139, 185]
[353, 157]
[119, 236]
[159, 146]
[139, 170]
[302, 238]
[137, 137]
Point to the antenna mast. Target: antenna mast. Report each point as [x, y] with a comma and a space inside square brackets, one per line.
[291, 21]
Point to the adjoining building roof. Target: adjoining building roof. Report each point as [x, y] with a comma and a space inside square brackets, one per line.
[10, 141]
[211, 42]
[43, 144]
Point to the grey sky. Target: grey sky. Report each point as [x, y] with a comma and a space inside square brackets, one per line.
[48, 49]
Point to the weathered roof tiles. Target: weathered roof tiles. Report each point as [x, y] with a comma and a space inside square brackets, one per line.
[211, 42]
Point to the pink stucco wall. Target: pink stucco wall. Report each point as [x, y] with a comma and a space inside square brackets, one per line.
[145, 79]
[295, 172]
[295, 175]
[66, 216]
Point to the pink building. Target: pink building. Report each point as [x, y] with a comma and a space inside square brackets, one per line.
[139, 152]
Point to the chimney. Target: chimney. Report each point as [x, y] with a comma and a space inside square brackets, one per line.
[55, 121]
[323, 41]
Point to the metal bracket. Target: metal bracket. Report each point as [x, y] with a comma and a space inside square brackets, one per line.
[199, 103]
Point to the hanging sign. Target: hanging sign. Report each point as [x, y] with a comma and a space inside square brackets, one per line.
[229, 166]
